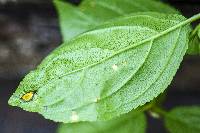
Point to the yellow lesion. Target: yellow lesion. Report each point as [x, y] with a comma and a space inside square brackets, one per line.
[28, 96]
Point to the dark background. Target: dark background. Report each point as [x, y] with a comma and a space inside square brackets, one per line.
[29, 31]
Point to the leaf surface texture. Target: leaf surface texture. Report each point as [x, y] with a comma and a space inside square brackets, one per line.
[90, 13]
[108, 71]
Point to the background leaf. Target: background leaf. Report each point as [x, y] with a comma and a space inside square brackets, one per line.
[109, 71]
[72, 20]
[129, 123]
[194, 43]
[75, 20]
[183, 120]
[199, 32]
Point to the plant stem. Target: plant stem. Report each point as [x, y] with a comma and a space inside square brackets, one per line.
[193, 18]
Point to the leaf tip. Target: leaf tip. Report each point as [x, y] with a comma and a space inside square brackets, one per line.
[13, 101]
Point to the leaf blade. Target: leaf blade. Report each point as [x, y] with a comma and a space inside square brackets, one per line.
[194, 44]
[107, 72]
[90, 13]
[71, 19]
[183, 120]
[124, 124]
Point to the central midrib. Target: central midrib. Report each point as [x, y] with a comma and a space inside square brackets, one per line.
[121, 26]
[130, 47]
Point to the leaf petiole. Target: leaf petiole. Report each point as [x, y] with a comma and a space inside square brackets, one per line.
[193, 18]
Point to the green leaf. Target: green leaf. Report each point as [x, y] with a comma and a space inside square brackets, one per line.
[72, 20]
[183, 120]
[75, 20]
[194, 43]
[199, 32]
[130, 123]
[109, 71]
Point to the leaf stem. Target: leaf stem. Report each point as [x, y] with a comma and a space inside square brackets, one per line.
[193, 18]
